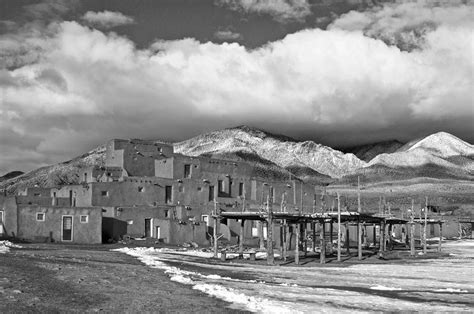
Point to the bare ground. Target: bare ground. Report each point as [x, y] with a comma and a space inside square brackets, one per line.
[61, 278]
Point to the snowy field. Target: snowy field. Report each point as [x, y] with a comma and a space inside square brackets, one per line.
[426, 285]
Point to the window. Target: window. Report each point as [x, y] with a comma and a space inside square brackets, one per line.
[1, 217]
[187, 171]
[241, 189]
[37, 194]
[104, 193]
[85, 177]
[211, 193]
[168, 194]
[181, 188]
[140, 189]
[167, 213]
[84, 219]
[40, 216]
[205, 218]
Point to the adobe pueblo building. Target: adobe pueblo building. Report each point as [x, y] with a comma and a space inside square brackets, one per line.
[146, 190]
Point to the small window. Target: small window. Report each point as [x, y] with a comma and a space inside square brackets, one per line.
[205, 218]
[84, 219]
[167, 213]
[37, 194]
[199, 188]
[181, 188]
[220, 186]
[187, 171]
[104, 193]
[140, 189]
[168, 194]
[211, 193]
[40, 216]
[241, 189]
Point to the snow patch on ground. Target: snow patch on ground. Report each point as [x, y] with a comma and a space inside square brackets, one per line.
[380, 287]
[150, 257]
[6, 245]
[451, 290]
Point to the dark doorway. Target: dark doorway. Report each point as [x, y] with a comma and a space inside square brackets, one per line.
[147, 227]
[168, 193]
[67, 228]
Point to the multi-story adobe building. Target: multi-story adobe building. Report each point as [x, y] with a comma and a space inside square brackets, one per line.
[146, 190]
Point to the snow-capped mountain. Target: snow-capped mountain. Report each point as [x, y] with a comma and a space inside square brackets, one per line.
[283, 151]
[434, 149]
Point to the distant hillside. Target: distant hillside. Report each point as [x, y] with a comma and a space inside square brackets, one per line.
[59, 174]
[440, 155]
[282, 151]
[11, 175]
[369, 151]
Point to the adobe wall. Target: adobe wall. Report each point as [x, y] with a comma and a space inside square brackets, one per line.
[10, 216]
[31, 229]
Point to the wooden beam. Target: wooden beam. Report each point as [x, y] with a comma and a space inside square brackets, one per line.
[260, 234]
[313, 230]
[214, 232]
[382, 237]
[359, 227]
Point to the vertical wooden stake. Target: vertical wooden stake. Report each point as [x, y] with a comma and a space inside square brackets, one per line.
[297, 246]
[346, 225]
[285, 235]
[260, 233]
[440, 236]
[359, 226]
[215, 228]
[313, 230]
[270, 256]
[322, 258]
[331, 240]
[382, 236]
[412, 229]
[338, 228]
[424, 226]
[305, 242]
[374, 234]
[241, 239]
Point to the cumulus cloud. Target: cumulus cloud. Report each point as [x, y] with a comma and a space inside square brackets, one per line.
[227, 35]
[406, 23]
[107, 19]
[281, 10]
[338, 86]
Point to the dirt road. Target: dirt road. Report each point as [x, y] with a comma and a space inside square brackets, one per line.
[60, 278]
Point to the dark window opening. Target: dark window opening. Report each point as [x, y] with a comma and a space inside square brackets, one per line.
[211, 193]
[167, 213]
[140, 189]
[181, 188]
[223, 221]
[220, 186]
[85, 177]
[241, 189]
[37, 194]
[168, 194]
[103, 193]
[187, 171]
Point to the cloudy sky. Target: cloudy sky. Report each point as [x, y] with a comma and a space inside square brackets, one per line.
[74, 74]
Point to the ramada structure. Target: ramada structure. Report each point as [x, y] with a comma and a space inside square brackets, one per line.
[145, 190]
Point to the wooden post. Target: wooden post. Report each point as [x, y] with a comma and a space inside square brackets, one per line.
[241, 239]
[347, 238]
[284, 239]
[440, 236]
[359, 226]
[424, 225]
[297, 246]
[374, 234]
[331, 237]
[412, 230]
[260, 234]
[338, 228]
[382, 236]
[322, 257]
[270, 256]
[305, 241]
[313, 230]
[215, 228]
